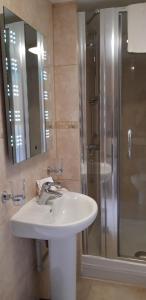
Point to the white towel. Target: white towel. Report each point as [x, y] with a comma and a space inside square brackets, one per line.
[137, 28]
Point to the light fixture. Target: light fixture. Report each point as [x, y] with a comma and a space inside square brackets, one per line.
[38, 51]
[132, 68]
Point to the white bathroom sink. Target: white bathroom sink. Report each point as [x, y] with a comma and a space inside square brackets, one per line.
[59, 222]
[65, 216]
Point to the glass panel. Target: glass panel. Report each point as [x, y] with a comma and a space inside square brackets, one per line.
[93, 111]
[132, 206]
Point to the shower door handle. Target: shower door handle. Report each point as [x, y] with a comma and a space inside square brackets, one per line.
[129, 143]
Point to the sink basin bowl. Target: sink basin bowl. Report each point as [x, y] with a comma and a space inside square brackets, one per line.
[62, 217]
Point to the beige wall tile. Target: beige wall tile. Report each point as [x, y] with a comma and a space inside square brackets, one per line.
[65, 34]
[67, 124]
[68, 149]
[29, 10]
[67, 93]
[71, 185]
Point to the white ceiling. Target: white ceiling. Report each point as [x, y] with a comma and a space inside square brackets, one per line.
[92, 4]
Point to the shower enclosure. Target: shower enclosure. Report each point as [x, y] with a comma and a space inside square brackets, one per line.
[113, 135]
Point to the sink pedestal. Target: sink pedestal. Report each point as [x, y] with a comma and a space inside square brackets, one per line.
[62, 261]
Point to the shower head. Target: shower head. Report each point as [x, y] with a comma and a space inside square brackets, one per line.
[95, 13]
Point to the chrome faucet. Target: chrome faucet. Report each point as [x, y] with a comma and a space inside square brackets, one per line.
[43, 190]
[47, 194]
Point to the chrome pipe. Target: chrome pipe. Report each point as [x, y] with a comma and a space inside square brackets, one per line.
[96, 12]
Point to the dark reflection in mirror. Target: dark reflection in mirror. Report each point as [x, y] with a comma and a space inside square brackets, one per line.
[33, 90]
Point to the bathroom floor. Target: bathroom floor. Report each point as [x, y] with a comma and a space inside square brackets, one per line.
[100, 290]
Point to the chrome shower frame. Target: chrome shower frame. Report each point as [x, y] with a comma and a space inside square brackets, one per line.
[109, 99]
[83, 128]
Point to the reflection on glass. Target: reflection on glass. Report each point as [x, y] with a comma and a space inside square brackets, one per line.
[33, 92]
[132, 206]
[92, 125]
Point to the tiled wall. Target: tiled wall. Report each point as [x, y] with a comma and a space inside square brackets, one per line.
[67, 92]
[17, 259]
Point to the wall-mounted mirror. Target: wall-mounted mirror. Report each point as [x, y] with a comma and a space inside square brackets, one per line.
[26, 80]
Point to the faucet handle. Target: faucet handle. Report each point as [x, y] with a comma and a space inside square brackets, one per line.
[5, 196]
[58, 169]
[47, 186]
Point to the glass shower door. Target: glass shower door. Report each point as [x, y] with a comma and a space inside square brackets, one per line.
[122, 139]
[120, 154]
[132, 150]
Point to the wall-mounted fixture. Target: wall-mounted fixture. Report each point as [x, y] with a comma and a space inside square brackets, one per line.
[17, 194]
[56, 170]
[26, 80]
